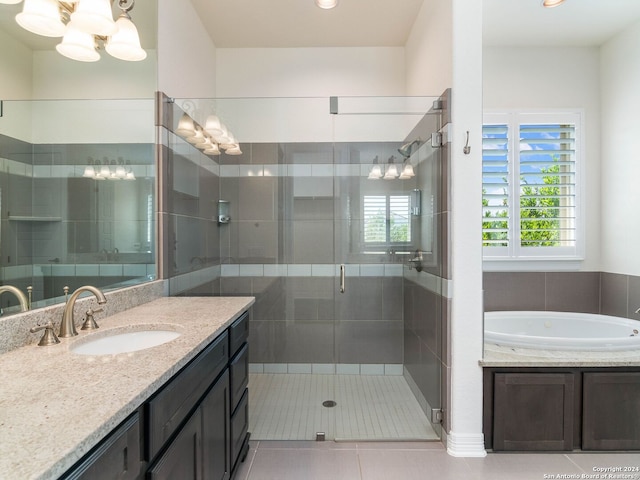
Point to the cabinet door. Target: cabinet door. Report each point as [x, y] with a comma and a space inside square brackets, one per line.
[239, 375]
[239, 427]
[118, 456]
[215, 431]
[533, 411]
[183, 459]
[611, 411]
[172, 404]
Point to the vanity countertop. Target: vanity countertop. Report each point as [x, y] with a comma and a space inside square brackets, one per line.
[503, 356]
[56, 405]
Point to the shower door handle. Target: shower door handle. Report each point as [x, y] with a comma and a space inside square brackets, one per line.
[342, 278]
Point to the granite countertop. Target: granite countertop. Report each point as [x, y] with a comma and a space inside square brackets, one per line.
[56, 405]
[502, 356]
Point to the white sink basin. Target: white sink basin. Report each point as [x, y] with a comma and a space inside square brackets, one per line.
[123, 342]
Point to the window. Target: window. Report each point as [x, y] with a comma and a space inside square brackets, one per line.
[530, 189]
[387, 219]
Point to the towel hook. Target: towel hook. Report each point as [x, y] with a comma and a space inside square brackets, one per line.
[467, 149]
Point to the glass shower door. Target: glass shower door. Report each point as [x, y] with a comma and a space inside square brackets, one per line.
[378, 163]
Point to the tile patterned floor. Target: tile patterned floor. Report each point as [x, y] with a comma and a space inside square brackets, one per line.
[273, 460]
[369, 407]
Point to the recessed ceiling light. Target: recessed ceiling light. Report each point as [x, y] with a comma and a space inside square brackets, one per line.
[551, 3]
[326, 4]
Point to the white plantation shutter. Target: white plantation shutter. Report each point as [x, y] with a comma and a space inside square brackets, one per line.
[530, 181]
[399, 219]
[495, 185]
[548, 185]
[375, 218]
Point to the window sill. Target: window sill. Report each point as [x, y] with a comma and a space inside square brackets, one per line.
[531, 264]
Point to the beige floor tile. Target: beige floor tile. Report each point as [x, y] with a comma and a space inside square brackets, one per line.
[411, 465]
[304, 464]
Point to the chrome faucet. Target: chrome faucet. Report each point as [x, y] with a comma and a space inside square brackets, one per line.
[68, 326]
[24, 303]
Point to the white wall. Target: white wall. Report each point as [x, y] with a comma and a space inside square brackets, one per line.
[465, 437]
[543, 78]
[620, 173]
[429, 50]
[15, 69]
[310, 72]
[58, 77]
[186, 54]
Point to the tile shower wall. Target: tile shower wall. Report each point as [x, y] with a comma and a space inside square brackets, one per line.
[426, 302]
[189, 255]
[584, 292]
[279, 247]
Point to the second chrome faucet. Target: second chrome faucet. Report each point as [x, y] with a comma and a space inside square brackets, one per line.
[68, 326]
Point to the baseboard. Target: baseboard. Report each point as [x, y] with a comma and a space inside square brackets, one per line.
[466, 445]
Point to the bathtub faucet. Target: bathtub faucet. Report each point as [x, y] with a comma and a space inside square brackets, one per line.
[638, 310]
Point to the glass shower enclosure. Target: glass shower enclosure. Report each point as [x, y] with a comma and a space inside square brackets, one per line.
[333, 225]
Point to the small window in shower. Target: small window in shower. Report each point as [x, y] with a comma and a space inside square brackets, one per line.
[387, 219]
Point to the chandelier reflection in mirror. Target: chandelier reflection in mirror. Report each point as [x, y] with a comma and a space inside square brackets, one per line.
[85, 26]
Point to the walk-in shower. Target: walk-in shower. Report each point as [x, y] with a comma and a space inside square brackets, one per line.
[345, 338]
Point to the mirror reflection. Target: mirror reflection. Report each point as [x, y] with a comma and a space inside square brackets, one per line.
[76, 196]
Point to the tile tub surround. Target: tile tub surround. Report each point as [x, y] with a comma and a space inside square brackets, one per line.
[584, 292]
[14, 329]
[60, 406]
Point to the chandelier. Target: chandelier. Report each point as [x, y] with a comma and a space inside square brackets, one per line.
[85, 26]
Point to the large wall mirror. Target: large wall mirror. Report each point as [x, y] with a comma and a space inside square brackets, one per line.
[77, 195]
[77, 164]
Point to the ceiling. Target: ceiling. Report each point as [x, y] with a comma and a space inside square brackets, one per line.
[379, 23]
[299, 23]
[574, 23]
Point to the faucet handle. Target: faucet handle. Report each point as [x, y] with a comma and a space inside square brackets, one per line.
[49, 337]
[90, 323]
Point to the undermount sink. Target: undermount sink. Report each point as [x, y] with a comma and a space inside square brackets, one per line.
[123, 341]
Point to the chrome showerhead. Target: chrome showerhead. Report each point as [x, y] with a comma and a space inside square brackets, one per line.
[405, 150]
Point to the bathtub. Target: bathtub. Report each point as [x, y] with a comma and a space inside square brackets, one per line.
[561, 331]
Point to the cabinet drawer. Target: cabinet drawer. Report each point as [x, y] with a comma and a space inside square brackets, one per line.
[170, 407]
[118, 456]
[238, 333]
[239, 427]
[239, 370]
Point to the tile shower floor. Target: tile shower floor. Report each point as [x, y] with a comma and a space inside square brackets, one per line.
[368, 407]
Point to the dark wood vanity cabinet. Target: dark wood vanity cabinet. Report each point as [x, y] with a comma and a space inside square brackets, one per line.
[201, 448]
[239, 394]
[611, 411]
[193, 428]
[547, 409]
[533, 411]
[119, 455]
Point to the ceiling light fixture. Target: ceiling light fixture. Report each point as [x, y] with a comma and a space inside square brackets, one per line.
[551, 3]
[326, 4]
[85, 25]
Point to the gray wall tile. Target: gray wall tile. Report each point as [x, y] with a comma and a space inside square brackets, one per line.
[614, 294]
[514, 291]
[573, 292]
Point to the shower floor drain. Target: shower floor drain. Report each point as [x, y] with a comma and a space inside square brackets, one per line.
[329, 403]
